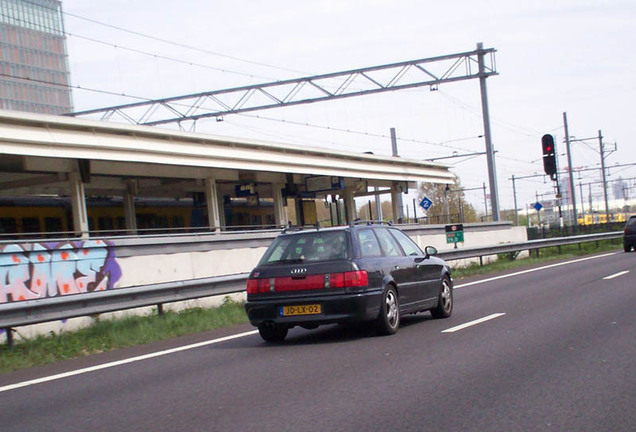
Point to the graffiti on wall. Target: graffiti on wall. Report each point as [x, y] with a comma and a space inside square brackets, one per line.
[32, 271]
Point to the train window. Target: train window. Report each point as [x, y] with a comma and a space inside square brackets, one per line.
[8, 225]
[121, 223]
[161, 222]
[105, 223]
[257, 220]
[178, 222]
[53, 224]
[30, 225]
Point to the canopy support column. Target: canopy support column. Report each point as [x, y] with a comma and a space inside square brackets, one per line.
[280, 213]
[212, 200]
[350, 205]
[78, 204]
[130, 215]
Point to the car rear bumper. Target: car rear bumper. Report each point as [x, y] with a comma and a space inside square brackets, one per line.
[334, 309]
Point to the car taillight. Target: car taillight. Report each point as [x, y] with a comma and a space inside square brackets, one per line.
[335, 280]
[353, 279]
[356, 279]
[258, 286]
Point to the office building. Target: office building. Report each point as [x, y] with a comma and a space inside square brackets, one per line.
[34, 72]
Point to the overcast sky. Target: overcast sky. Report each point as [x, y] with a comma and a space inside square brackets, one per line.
[573, 56]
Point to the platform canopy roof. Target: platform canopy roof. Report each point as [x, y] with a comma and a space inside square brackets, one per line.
[38, 151]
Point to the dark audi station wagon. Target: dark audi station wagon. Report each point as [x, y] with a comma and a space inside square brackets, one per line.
[365, 272]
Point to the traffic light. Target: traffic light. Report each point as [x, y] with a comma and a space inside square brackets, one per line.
[549, 155]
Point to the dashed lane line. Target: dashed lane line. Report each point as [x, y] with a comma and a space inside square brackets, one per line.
[472, 323]
[533, 270]
[615, 275]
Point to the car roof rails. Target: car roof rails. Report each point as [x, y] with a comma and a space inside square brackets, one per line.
[370, 222]
[301, 227]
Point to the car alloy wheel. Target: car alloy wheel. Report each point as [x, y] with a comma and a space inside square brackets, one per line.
[389, 319]
[444, 307]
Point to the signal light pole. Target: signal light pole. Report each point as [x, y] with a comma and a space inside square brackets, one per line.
[575, 215]
[549, 156]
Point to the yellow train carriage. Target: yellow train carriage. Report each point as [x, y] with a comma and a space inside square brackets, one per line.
[26, 216]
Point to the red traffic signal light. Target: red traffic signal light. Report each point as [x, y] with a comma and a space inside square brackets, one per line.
[549, 155]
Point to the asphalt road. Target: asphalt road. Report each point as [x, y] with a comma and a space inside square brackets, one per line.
[556, 352]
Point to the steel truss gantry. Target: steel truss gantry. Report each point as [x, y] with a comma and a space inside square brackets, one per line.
[432, 72]
[358, 82]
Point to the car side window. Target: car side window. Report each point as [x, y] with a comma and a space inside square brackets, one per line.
[388, 243]
[409, 246]
[369, 246]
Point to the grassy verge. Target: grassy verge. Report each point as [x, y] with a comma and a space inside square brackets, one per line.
[105, 335]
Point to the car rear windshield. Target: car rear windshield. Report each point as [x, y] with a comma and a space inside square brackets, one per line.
[631, 223]
[314, 246]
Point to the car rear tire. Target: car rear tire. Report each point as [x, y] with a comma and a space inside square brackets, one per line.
[444, 307]
[389, 318]
[271, 332]
[627, 247]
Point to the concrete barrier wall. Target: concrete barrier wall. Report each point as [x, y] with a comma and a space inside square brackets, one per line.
[40, 269]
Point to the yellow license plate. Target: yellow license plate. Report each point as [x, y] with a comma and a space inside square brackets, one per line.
[312, 309]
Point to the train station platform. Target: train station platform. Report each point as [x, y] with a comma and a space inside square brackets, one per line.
[86, 161]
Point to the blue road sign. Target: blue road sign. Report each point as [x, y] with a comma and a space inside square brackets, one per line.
[426, 203]
[538, 206]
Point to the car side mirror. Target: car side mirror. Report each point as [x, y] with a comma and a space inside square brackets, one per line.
[430, 251]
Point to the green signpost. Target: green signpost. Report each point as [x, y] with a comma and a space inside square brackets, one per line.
[454, 233]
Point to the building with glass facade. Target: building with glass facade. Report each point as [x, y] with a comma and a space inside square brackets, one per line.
[34, 72]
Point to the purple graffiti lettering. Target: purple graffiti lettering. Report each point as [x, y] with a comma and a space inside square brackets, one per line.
[14, 273]
[32, 271]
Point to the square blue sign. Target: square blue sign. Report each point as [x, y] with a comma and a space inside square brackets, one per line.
[426, 203]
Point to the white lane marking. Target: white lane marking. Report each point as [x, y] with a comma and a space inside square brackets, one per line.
[616, 275]
[532, 270]
[240, 335]
[472, 323]
[124, 361]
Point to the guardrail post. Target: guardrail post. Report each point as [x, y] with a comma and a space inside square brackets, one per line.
[9, 333]
[160, 309]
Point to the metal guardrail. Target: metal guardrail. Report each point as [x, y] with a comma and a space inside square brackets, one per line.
[58, 308]
[456, 254]
[64, 307]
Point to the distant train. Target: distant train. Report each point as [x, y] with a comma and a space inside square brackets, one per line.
[52, 215]
[601, 218]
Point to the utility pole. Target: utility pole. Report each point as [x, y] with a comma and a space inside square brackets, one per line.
[582, 199]
[490, 152]
[514, 193]
[486, 203]
[400, 206]
[539, 215]
[602, 149]
[571, 173]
